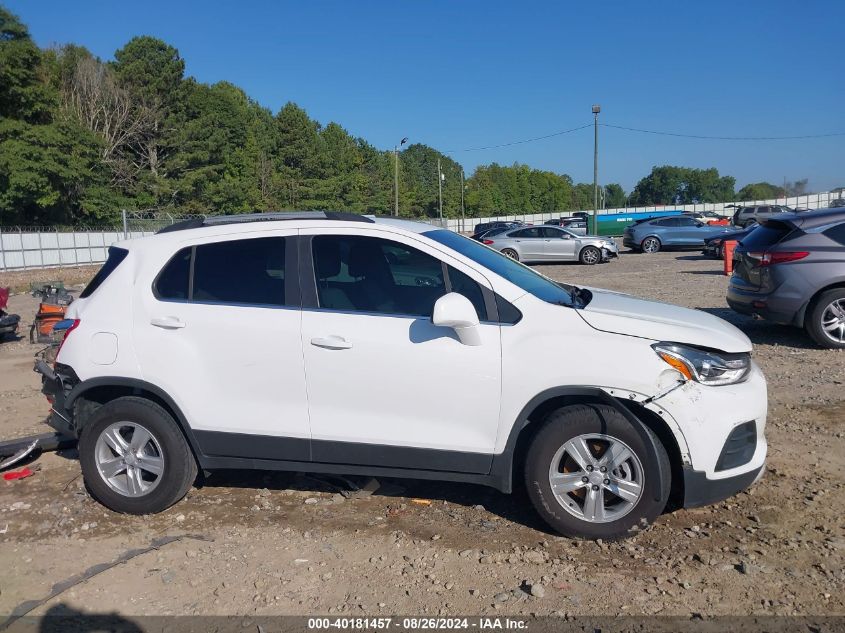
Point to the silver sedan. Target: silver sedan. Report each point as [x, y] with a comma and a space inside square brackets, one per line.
[552, 244]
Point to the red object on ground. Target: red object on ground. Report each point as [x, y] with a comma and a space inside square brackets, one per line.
[23, 473]
[728, 255]
[4, 297]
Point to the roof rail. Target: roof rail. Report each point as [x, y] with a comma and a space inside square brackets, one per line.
[241, 218]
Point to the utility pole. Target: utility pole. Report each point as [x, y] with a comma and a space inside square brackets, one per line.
[440, 178]
[396, 175]
[596, 110]
[463, 213]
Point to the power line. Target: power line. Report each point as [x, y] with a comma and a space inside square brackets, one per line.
[642, 131]
[724, 138]
[527, 140]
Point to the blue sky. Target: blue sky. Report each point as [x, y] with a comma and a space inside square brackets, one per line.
[467, 73]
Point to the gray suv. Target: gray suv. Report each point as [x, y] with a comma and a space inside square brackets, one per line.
[746, 216]
[791, 270]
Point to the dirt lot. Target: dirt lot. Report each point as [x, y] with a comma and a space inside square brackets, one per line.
[288, 544]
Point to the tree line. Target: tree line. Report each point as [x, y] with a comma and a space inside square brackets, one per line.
[82, 138]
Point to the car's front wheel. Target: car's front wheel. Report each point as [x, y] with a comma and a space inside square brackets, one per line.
[650, 245]
[134, 457]
[826, 321]
[590, 474]
[511, 253]
[590, 255]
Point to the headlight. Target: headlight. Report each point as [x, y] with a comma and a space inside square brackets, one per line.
[708, 368]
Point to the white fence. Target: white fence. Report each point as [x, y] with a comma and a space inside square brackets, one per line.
[46, 248]
[23, 249]
[809, 201]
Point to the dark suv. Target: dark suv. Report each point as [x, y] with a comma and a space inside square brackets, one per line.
[746, 216]
[791, 270]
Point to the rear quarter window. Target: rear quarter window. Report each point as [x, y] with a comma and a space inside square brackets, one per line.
[836, 233]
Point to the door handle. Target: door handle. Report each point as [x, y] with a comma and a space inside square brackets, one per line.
[331, 342]
[168, 322]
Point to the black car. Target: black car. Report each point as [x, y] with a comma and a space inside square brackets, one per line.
[715, 246]
[483, 227]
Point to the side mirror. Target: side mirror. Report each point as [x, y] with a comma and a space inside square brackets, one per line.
[455, 311]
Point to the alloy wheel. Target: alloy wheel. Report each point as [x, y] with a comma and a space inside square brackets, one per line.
[596, 478]
[833, 321]
[129, 459]
[590, 255]
[651, 245]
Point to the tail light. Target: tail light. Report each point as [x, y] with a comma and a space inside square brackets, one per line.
[67, 333]
[767, 258]
[488, 242]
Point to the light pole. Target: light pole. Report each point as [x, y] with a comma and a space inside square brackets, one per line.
[396, 175]
[440, 179]
[463, 213]
[596, 110]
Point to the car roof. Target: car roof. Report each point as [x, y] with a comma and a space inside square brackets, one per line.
[252, 223]
[811, 219]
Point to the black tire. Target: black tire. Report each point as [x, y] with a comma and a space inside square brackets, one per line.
[511, 253]
[651, 245]
[179, 466]
[816, 315]
[590, 255]
[566, 423]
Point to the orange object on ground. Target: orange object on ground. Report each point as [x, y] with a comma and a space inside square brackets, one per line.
[47, 317]
[728, 255]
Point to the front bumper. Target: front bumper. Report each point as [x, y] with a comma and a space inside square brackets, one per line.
[707, 418]
[699, 490]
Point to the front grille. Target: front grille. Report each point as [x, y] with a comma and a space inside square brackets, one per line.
[739, 447]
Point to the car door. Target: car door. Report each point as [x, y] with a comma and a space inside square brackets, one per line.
[227, 313]
[530, 243]
[560, 245]
[690, 231]
[385, 386]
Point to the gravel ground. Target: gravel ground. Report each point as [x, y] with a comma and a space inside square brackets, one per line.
[289, 544]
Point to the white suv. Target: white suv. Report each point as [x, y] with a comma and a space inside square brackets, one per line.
[337, 343]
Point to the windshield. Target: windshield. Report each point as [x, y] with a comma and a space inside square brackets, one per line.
[518, 274]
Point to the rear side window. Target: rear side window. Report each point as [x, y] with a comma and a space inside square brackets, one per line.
[250, 272]
[241, 271]
[836, 233]
[115, 257]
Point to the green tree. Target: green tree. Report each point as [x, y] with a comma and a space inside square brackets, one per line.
[760, 191]
[614, 196]
[668, 185]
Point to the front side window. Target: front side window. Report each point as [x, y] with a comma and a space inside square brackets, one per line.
[250, 272]
[356, 273]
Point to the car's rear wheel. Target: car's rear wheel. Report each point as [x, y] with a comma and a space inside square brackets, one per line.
[826, 322]
[134, 457]
[650, 245]
[590, 473]
[511, 253]
[590, 255]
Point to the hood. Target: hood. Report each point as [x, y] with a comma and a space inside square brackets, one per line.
[623, 314]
